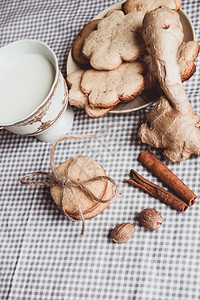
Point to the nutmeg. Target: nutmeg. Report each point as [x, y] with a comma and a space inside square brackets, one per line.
[122, 232]
[150, 218]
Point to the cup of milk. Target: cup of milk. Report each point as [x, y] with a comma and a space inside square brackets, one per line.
[33, 92]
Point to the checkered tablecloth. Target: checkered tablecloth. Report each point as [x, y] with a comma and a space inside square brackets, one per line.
[42, 256]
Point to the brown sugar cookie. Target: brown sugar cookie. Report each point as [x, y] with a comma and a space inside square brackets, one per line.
[106, 88]
[79, 99]
[100, 207]
[96, 112]
[117, 39]
[78, 43]
[76, 97]
[186, 56]
[82, 169]
[147, 5]
[79, 186]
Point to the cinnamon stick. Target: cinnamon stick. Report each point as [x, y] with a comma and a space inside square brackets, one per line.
[157, 191]
[161, 171]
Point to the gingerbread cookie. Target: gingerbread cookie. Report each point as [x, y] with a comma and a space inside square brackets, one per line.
[79, 99]
[106, 88]
[76, 97]
[117, 39]
[78, 43]
[186, 56]
[82, 169]
[147, 5]
[96, 112]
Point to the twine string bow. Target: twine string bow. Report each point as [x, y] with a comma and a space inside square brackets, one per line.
[66, 182]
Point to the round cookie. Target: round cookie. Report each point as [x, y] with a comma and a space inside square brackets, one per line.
[100, 207]
[81, 169]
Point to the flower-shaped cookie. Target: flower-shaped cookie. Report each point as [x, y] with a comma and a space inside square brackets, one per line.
[116, 39]
[107, 88]
[79, 99]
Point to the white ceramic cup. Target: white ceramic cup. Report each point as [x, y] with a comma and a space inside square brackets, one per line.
[53, 117]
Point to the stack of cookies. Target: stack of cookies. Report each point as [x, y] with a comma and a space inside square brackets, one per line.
[113, 63]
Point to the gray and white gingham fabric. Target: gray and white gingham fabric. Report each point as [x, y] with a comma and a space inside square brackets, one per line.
[42, 255]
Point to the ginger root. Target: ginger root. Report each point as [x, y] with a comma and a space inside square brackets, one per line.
[178, 134]
[172, 124]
